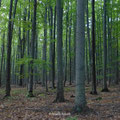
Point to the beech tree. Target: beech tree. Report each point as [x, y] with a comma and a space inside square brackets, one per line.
[60, 90]
[80, 100]
[30, 94]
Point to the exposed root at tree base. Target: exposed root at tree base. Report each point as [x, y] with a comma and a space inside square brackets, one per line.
[93, 93]
[80, 109]
[30, 95]
[6, 96]
[105, 90]
[59, 100]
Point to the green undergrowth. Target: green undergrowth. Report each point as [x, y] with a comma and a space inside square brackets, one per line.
[72, 118]
[68, 89]
[18, 92]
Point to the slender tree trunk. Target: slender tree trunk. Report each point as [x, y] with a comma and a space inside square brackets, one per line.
[117, 53]
[88, 35]
[2, 58]
[9, 40]
[53, 59]
[70, 62]
[60, 89]
[105, 88]
[94, 91]
[23, 41]
[44, 72]
[66, 48]
[28, 43]
[30, 94]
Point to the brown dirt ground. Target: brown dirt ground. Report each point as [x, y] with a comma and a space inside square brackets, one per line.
[104, 106]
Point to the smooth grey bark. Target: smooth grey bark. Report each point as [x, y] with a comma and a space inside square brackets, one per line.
[60, 89]
[30, 88]
[66, 45]
[80, 100]
[105, 88]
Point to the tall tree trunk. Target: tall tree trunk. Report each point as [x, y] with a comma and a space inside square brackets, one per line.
[94, 91]
[23, 41]
[53, 59]
[70, 62]
[30, 94]
[9, 40]
[60, 89]
[2, 57]
[80, 100]
[66, 45]
[105, 88]
[9, 46]
[28, 43]
[88, 35]
[44, 72]
[117, 52]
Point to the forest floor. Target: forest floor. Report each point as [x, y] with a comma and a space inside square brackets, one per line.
[104, 106]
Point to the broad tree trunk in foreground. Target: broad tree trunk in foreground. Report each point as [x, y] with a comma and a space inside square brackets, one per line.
[80, 100]
[60, 89]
